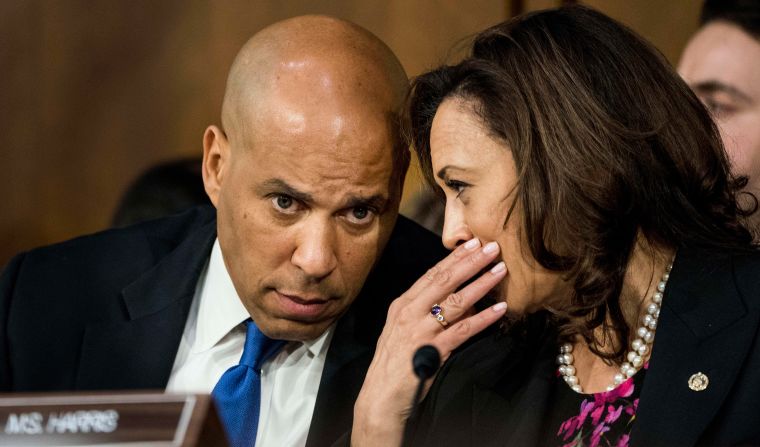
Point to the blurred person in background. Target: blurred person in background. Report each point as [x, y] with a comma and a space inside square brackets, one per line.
[721, 63]
[164, 189]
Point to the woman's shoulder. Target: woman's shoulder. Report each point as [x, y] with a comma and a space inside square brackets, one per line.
[746, 267]
[701, 268]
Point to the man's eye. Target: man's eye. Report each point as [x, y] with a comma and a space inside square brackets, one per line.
[283, 203]
[717, 108]
[360, 215]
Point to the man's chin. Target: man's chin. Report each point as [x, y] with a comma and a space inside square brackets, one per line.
[294, 330]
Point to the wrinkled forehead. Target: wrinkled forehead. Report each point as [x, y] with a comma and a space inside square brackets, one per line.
[332, 174]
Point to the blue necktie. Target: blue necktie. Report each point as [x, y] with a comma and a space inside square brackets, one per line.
[238, 392]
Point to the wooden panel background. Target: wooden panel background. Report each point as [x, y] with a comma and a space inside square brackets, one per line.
[93, 93]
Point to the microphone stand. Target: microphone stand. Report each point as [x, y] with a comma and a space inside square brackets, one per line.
[425, 363]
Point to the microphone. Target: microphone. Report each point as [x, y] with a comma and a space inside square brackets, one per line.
[425, 363]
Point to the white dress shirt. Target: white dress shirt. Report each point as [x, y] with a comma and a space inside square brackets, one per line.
[212, 342]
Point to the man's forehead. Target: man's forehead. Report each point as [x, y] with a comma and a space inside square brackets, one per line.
[331, 129]
[723, 53]
[328, 164]
[334, 152]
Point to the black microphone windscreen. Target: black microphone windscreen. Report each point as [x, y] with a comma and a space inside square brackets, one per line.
[426, 361]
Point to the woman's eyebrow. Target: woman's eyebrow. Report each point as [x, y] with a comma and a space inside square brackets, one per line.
[442, 173]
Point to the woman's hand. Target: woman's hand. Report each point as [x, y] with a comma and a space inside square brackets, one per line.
[385, 400]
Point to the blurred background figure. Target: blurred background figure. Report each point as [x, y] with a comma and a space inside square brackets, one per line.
[721, 63]
[164, 189]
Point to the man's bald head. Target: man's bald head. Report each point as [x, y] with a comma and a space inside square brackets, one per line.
[320, 57]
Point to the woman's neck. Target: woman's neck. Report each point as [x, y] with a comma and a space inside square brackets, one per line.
[643, 274]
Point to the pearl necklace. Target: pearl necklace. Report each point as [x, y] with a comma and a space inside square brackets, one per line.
[639, 346]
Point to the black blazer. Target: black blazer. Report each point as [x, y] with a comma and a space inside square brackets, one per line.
[107, 312]
[496, 391]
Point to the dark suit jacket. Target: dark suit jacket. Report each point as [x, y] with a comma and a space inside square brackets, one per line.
[496, 391]
[107, 311]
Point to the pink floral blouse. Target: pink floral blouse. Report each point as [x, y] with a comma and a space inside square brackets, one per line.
[602, 419]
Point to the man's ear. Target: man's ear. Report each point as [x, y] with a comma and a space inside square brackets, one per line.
[216, 157]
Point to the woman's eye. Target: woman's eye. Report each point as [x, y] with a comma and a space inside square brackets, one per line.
[456, 186]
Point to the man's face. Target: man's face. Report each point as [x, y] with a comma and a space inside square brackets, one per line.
[721, 63]
[305, 206]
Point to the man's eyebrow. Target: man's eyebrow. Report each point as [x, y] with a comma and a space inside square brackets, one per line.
[282, 187]
[377, 201]
[279, 186]
[721, 87]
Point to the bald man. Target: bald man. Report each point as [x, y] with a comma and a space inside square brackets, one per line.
[305, 244]
[721, 63]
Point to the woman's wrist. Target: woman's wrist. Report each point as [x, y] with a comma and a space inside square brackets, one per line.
[376, 425]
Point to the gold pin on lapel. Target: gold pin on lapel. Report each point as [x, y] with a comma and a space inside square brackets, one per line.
[698, 382]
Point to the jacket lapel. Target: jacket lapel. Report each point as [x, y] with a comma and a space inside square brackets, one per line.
[345, 366]
[138, 351]
[348, 359]
[704, 327]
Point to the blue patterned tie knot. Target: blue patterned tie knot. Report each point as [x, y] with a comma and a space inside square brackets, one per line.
[258, 347]
[238, 392]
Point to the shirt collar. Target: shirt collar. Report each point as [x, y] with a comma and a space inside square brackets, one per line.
[220, 308]
[319, 345]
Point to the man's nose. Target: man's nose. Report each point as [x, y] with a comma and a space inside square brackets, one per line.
[455, 229]
[315, 251]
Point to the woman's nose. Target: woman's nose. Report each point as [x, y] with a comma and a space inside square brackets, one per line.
[455, 230]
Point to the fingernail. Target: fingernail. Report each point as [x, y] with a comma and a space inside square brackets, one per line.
[472, 244]
[499, 307]
[490, 248]
[498, 268]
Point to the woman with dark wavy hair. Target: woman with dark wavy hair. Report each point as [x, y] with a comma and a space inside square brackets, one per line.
[631, 282]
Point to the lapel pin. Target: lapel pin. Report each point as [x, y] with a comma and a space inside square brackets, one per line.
[698, 382]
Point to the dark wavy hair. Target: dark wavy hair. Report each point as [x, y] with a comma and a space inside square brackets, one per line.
[609, 144]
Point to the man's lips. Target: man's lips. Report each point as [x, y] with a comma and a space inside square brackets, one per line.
[301, 307]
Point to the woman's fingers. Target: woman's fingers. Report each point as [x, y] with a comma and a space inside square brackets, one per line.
[390, 382]
[463, 330]
[446, 276]
[458, 304]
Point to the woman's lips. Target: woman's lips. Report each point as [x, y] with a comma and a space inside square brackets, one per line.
[300, 308]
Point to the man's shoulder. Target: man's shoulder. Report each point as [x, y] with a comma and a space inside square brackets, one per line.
[410, 252]
[109, 254]
[413, 246]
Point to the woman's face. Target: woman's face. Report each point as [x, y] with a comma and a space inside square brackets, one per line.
[478, 175]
